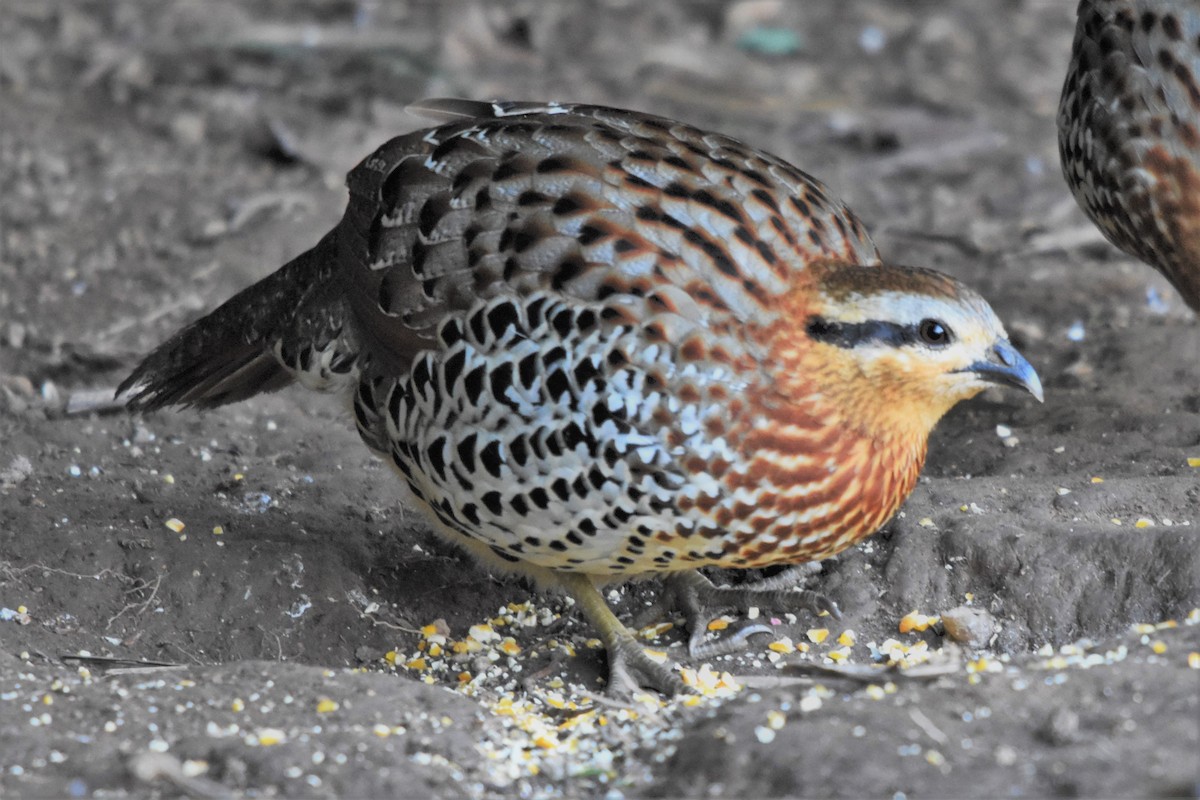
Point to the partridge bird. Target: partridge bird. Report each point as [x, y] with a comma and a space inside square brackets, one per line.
[1129, 131]
[599, 345]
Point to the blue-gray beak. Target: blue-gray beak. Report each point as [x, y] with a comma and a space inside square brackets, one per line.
[1006, 366]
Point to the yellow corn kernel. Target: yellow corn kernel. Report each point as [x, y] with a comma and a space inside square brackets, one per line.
[979, 665]
[654, 631]
[913, 621]
[483, 633]
[271, 736]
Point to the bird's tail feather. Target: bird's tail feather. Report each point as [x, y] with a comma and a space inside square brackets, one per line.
[230, 354]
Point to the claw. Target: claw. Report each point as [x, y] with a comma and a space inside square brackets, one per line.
[698, 647]
[700, 601]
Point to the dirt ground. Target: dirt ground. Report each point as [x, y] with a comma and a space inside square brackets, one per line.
[316, 640]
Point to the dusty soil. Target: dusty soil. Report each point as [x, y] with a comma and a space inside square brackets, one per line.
[156, 156]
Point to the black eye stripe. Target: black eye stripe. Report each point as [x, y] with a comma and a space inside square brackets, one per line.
[853, 334]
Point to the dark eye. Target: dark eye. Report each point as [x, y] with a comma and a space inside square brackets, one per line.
[934, 332]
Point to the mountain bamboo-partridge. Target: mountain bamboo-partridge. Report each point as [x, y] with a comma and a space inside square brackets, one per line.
[597, 344]
[1129, 131]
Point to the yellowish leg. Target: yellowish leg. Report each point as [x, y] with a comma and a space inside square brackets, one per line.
[629, 668]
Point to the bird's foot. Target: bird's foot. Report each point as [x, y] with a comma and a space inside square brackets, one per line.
[630, 668]
[701, 601]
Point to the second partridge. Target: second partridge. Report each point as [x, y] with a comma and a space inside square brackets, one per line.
[1129, 131]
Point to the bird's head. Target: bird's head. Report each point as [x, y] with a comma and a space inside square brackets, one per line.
[898, 347]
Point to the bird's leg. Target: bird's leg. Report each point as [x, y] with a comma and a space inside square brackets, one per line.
[700, 601]
[629, 668]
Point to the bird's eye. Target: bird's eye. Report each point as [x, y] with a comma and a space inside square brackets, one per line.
[934, 332]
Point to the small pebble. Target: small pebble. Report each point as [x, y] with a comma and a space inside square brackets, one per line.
[872, 39]
[969, 625]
